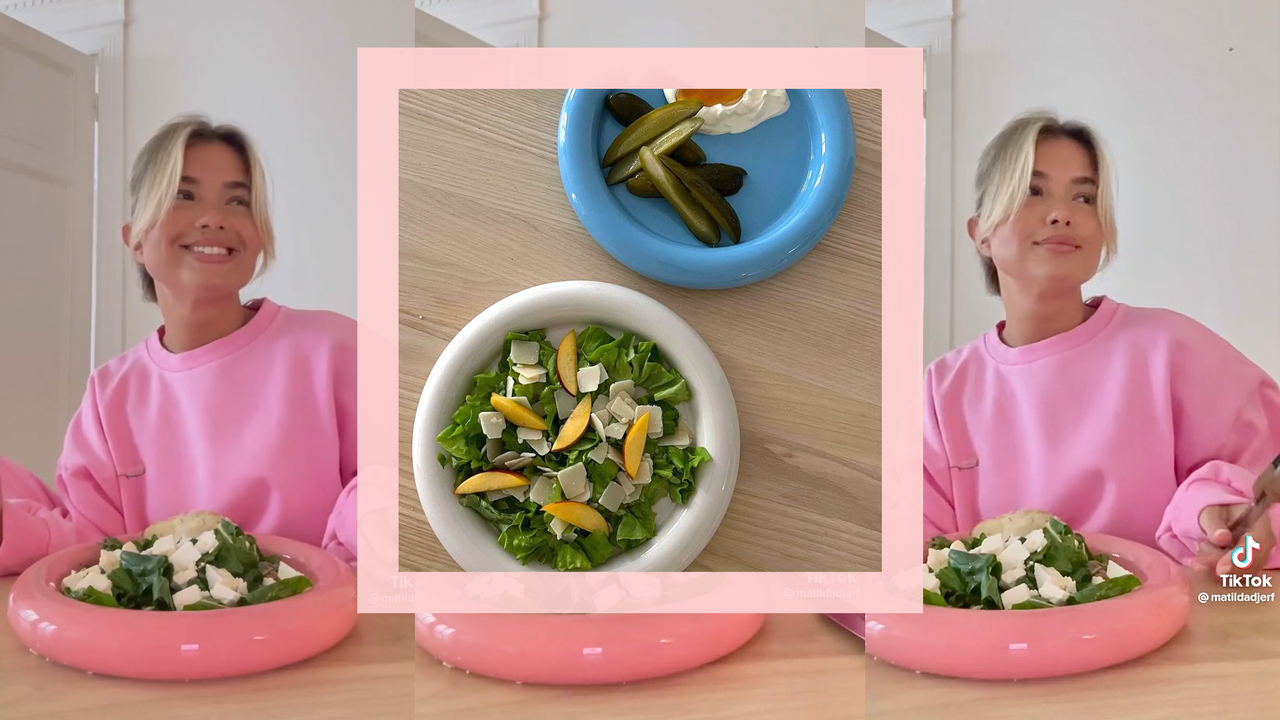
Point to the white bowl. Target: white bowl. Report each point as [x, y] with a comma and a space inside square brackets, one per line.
[683, 530]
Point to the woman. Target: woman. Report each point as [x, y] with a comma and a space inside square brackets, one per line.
[1135, 422]
[247, 409]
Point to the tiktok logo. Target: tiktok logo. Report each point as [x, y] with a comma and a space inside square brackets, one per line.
[1242, 556]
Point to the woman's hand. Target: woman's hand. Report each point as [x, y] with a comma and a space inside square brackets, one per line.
[1216, 553]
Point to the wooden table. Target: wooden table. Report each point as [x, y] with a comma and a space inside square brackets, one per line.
[1223, 665]
[799, 666]
[479, 179]
[367, 674]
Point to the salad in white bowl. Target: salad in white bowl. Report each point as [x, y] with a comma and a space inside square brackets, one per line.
[566, 448]
[635, 359]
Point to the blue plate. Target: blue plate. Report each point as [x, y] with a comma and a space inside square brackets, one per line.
[799, 166]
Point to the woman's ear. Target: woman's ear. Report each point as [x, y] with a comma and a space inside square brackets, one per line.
[135, 249]
[983, 245]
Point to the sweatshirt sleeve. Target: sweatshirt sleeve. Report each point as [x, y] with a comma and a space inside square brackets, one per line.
[1226, 414]
[37, 522]
[939, 500]
[340, 532]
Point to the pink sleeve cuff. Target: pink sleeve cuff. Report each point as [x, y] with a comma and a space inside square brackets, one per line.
[25, 538]
[1217, 483]
[340, 535]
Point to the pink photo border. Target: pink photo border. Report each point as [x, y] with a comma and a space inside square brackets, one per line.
[898, 73]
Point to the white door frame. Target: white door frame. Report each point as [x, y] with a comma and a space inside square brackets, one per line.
[927, 24]
[96, 27]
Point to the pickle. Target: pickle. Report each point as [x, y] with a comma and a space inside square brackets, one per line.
[716, 206]
[661, 145]
[726, 179]
[649, 126]
[698, 220]
[627, 108]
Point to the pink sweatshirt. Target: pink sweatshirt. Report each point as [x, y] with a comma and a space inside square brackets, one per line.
[259, 426]
[1129, 424]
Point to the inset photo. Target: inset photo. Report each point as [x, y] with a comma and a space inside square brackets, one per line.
[640, 330]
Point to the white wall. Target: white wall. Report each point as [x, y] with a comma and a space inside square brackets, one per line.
[1187, 97]
[704, 23]
[285, 70]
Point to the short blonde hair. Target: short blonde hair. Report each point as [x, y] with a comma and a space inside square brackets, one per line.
[158, 170]
[1004, 173]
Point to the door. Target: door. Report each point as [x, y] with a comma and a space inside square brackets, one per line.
[47, 152]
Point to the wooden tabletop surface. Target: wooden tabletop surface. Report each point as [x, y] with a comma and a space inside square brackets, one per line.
[367, 674]
[806, 385]
[1222, 666]
[799, 666]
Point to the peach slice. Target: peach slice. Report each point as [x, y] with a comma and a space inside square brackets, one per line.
[567, 363]
[574, 426]
[580, 515]
[633, 445]
[516, 413]
[491, 480]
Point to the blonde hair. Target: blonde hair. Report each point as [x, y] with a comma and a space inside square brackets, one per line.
[1004, 173]
[158, 169]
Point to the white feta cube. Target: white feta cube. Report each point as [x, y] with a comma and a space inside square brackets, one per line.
[95, 580]
[206, 542]
[621, 386]
[1013, 556]
[992, 545]
[957, 545]
[286, 571]
[129, 547]
[108, 560]
[183, 577]
[185, 556]
[268, 581]
[215, 575]
[573, 479]
[1012, 575]
[72, 580]
[541, 490]
[224, 594]
[931, 581]
[1015, 595]
[654, 427]
[1048, 576]
[599, 453]
[1115, 571]
[589, 378]
[1053, 594]
[527, 434]
[938, 559]
[524, 352]
[1070, 586]
[612, 497]
[565, 403]
[164, 546]
[492, 424]
[622, 407]
[615, 430]
[1095, 580]
[188, 596]
[644, 473]
[1035, 541]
